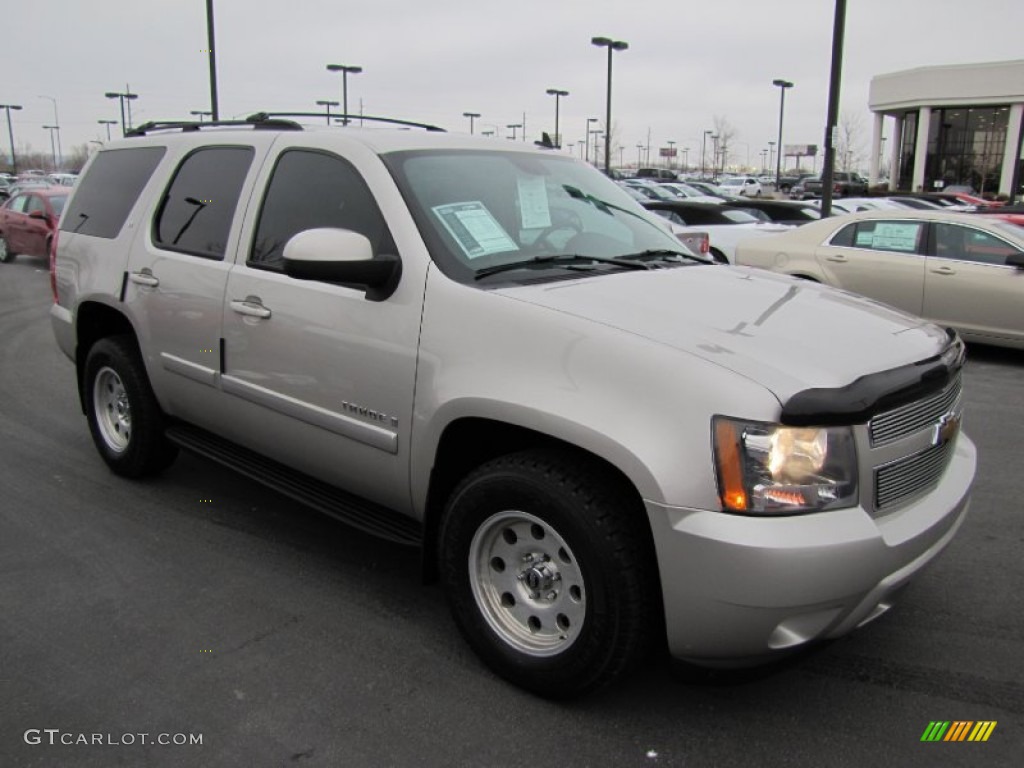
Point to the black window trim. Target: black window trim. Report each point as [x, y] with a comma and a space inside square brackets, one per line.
[166, 192]
[923, 237]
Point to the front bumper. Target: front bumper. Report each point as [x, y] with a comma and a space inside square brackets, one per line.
[739, 590]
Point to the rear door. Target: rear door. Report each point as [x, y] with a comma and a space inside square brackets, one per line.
[878, 258]
[969, 286]
[178, 271]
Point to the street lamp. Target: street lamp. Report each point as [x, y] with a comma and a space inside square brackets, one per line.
[513, 126]
[611, 45]
[214, 109]
[200, 113]
[327, 105]
[56, 122]
[472, 116]
[52, 129]
[107, 123]
[771, 155]
[586, 148]
[782, 85]
[557, 94]
[345, 70]
[596, 133]
[671, 153]
[122, 98]
[10, 133]
[686, 159]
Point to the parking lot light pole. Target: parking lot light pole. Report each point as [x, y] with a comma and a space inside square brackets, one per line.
[472, 116]
[107, 123]
[10, 134]
[671, 153]
[327, 105]
[557, 94]
[686, 159]
[513, 126]
[345, 70]
[53, 147]
[586, 148]
[611, 45]
[200, 113]
[782, 85]
[56, 122]
[122, 98]
[703, 148]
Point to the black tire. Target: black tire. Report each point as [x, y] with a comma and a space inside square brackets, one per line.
[124, 417]
[6, 254]
[550, 572]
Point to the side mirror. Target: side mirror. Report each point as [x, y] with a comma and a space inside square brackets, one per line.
[1015, 260]
[341, 256]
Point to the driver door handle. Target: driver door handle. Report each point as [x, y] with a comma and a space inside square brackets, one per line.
[251, 306]
[838, 258]
[944, 271]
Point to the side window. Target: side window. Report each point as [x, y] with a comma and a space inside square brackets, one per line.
[310, 189]
[196, 212]
[18, 204]
[108, 191]
[967, 244]
[844, 238]
[895, 236]
[35, 203]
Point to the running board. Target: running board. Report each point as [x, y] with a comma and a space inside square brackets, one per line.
[357, 512]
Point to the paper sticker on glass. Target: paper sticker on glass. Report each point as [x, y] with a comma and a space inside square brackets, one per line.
[473, 227]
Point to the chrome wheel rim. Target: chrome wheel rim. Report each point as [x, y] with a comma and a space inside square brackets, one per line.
[113, 412]
[527, 583]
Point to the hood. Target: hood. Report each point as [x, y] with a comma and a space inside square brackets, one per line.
[786, 334]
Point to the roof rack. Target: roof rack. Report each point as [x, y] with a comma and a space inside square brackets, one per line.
[351, 118]
[258, 121]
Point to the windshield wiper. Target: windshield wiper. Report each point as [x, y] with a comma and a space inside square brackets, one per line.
[557, 261]
[665, 252]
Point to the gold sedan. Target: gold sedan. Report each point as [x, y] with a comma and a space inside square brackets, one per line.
[960, 270]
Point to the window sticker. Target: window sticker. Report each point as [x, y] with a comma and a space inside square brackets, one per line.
[476, 231]
[890, 236]
[533, 202]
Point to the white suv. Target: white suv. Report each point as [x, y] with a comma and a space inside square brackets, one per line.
[599, 440]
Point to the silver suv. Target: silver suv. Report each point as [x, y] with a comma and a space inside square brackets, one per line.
[600, 441]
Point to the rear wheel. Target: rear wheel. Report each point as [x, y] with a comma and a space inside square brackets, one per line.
[549, 572]
[6, 254]
[124, 417]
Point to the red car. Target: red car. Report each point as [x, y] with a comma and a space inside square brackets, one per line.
[28, 221]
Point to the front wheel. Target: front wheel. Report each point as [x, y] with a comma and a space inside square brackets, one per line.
[549, 572]
[124, 417]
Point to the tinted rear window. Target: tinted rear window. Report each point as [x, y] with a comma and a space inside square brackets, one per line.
[105, 196]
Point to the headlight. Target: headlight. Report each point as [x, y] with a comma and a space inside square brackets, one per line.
[771, 469]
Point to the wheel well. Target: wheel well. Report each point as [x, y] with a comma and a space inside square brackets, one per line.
[468, 443]
[95, 321]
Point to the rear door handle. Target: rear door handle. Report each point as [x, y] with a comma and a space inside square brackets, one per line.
[145, 277]
[251, 306]
[839, 258]
[944, 271]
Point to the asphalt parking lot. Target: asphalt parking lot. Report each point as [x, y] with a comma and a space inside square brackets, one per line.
[201, 604]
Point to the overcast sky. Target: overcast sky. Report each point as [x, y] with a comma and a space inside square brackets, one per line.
[431, 60]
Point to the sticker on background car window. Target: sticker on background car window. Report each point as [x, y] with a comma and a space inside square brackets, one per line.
[533, 202]
[896, 237]
[476, 231]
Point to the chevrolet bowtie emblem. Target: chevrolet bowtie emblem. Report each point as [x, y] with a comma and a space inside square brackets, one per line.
[946, 429]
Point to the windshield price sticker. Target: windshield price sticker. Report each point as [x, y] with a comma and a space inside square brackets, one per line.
[476, 231]
[533, 202]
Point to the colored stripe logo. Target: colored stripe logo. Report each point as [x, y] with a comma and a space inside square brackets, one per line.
[958, 730]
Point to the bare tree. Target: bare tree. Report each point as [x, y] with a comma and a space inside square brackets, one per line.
[850, 150]
[726, 132]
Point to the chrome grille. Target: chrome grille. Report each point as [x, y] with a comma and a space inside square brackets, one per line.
[907, 419]
[910, 476]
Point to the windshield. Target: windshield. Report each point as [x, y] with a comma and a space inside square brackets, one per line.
[481, 209]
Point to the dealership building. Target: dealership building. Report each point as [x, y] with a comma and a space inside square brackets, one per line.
[959, 124]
